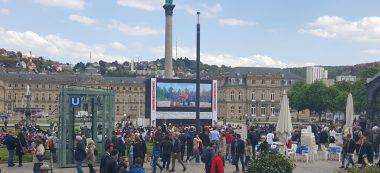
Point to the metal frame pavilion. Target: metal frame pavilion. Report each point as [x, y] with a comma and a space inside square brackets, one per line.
[99, 104]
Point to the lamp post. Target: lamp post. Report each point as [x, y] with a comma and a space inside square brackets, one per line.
[198, 80]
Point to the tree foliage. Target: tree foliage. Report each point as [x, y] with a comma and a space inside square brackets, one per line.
[79, 67]
[319, 98]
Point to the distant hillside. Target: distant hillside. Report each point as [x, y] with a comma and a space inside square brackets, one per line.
[183, 67]
[337, 70]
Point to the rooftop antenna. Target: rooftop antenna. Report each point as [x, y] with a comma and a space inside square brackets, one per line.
[90, 57]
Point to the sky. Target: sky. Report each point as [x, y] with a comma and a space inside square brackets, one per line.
[270, 33]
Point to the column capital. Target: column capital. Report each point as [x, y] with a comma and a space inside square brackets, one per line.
[169, 9]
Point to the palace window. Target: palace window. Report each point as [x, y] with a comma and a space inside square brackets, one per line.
[239, 96]
[232, 109]
[253, 96]
[272, 96]
[240, 109]
[263, 81]
[263, 95]
[49, 107]
[253, 81]
[253, 110]
[272, 82]
[272, 110]
[262, 110]
[49, 97]
[232, 96]
[117, 108]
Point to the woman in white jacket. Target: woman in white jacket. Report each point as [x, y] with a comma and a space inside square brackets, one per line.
[38, 154]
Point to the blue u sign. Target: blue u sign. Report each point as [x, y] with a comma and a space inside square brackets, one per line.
[75, 101]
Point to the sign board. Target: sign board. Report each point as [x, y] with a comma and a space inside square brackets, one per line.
[75, 101]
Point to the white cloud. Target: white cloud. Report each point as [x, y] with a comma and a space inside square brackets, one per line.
[235, 22]
[206, 10]
[118, 46]
[366, 29]
[133, 30]
[148, 5]
[373, 52]
[82, 19]
[219, 59]
[70, 4]
[5, 11]
[54, 46]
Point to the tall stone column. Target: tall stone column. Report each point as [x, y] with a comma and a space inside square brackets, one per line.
[169, 40]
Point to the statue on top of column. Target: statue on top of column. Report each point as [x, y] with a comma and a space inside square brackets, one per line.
[168, 1]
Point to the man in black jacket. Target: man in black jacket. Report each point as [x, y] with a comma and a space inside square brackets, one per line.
[111, 164]
[79, 154]
[166, 150]
[240, 150]
[176, 153]
[253, 137]
[106, 157]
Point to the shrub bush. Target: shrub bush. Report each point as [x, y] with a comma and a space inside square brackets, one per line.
[369, 169]
[270, 162]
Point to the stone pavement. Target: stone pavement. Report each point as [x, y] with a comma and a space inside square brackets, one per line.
[312, 167]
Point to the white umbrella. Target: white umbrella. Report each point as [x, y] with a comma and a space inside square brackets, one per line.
[349, 114]
[284, 124]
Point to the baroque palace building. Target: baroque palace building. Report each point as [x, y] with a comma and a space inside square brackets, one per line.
[244, 92]
[45, 89]
[253, 92]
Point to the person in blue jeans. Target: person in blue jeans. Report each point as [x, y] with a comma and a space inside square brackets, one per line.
[156, 155]
[79, 154]
[351, 146]
[10, 142]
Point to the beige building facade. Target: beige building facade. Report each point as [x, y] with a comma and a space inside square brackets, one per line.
[252, 95]
[45, 89]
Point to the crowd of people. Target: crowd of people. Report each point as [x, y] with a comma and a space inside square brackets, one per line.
[29, 138]
[215, 146]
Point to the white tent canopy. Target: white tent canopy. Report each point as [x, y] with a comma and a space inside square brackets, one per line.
[284, 125]
[349, 114]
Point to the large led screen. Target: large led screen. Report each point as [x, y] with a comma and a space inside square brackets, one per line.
[182, 95]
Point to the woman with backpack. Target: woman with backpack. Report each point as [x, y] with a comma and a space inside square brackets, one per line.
[38, 155]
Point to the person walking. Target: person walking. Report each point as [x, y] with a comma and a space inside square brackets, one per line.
[228, 142]
[248, 152]
[79, 154]
[156, 155]
[10, 142]
[166, 148]
[38, 155]
[177, 153]
[91, 156]
[207, 156]
[346, 139]
[350, 149]
[223, 147]
[190, 135]
[197, 144]
[239, 153]
[20, 147]
[107, 155]
[217, 165]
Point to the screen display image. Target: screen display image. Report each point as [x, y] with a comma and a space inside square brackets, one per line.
[177, 95]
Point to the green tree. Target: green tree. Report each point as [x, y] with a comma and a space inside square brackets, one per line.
[297, 96]
[79, 67]
[318, 98]
[368, 72]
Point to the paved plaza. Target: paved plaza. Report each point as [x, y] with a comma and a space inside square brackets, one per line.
[313, 167]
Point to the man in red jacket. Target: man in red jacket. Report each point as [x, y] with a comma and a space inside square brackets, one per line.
[217, 164]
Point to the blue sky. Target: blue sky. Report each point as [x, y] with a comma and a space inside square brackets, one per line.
[271, 33]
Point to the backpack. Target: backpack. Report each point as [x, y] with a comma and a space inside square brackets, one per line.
[207, 155]
[50, 144]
